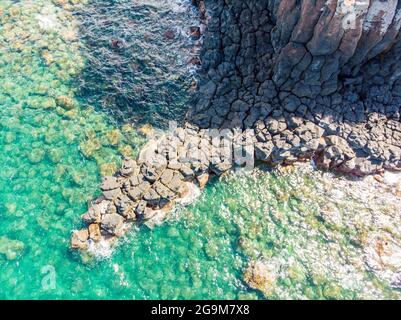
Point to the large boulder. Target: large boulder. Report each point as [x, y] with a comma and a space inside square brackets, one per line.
[79, 239]
[113, 224]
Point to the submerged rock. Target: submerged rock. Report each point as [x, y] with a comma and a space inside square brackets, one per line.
[36, 155]
[195, 32]
[383, 257]
[169, 34]
[259, 276]
[147, 130]
[11, 249]
[65, 102]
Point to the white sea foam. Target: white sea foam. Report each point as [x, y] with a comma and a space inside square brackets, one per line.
[392, 178]
[193, 194]
[101, 250]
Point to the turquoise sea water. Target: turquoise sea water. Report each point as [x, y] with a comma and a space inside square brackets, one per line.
[57, 140]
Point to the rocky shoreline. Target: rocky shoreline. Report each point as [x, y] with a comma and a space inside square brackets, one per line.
[273, 88]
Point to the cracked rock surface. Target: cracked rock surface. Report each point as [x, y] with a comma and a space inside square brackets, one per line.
[296, 71]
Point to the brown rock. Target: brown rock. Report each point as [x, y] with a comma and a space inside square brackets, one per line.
[195, 61]
[94, 232]
[203, 179]
[183, 190]
[79, 239]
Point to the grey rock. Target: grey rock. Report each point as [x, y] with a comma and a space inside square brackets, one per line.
[150, 173]
[112, 194]
[291, 103]
[140, 209]
[110, 183]
[135, 193]
[272, 125]
[151, 197]
[136, 179]
[163, 191]
[93, 215]
[125, 207]
[113, 224]
[176, 183]
[268, 90]
[128, 167]
[167, 176]
[263, 150]
[187, 172]
[341, 145]
[221, 167]
[240, 106]
[149, 213]
[111, 208]
[174, 165]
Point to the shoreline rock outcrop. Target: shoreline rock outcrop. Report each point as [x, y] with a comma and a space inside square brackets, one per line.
[280, 81]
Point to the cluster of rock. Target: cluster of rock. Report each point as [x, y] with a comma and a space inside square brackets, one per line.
[285, 80]
[10, 248]
[166, 170]
[293, 72]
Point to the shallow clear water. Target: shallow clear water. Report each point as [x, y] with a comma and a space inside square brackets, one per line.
[54, 148]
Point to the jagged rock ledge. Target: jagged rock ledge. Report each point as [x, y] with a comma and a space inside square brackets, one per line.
[280, 81]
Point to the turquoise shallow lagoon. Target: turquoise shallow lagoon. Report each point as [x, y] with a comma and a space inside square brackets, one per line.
[57, 140]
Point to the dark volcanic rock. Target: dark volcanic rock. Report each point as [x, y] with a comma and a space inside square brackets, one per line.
[303, 58]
